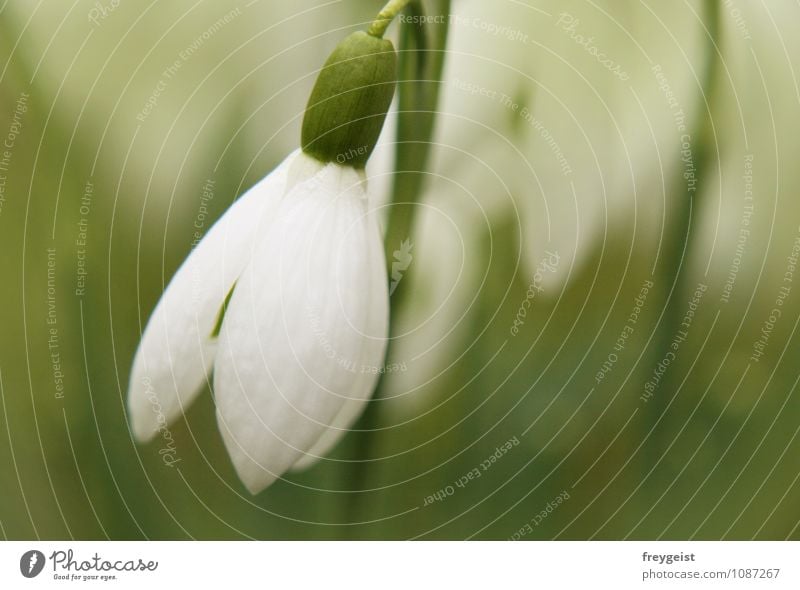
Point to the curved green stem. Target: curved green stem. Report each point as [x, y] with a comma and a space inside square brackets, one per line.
[386, 16]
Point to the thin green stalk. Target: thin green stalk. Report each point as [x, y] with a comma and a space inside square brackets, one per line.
[685, 226]
[421, 53]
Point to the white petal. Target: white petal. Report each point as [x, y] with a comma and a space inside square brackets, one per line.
[176, 352]
[300, 322]
[379, 318]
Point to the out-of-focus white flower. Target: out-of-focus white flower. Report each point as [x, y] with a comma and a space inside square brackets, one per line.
[302, 337]
[563, 107]
[533, 128]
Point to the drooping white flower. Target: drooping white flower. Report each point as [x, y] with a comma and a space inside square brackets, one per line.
[531, 128]
[303, 333]
[556, 138]
[286, 299]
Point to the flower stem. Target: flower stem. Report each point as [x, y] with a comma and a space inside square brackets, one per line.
[422, 54]
[685, 225]
[386, 16]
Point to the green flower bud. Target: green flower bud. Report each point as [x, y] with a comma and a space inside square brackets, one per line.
[348, 105]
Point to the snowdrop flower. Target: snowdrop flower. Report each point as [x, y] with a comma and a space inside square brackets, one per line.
[285, 301]
[559, 140]
[532, 128]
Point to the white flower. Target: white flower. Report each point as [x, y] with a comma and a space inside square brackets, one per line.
[302, 337]
[531, 129]
[553, 137]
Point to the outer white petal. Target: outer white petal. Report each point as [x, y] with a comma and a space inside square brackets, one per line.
[176, 351]
[298, 326]
[379, 325]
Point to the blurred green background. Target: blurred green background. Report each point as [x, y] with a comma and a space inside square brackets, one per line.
[101, 194]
